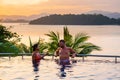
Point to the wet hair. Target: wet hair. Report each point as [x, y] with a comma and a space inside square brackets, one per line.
[62, 41]
[35, 46]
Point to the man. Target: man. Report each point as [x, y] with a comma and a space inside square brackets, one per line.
[64, 54]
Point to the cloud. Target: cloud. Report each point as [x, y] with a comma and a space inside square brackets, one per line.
[29, 7]
[22, 2]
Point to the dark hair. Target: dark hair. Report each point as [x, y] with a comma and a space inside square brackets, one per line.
[35, 46]
[62, 41]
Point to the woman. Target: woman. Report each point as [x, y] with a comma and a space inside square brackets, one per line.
[36, 57]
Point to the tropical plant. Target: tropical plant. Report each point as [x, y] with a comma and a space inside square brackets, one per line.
[30, 48]
[7, 35]
[54, 39]
[8, 40]
[42, 45]
[78, 43]
[9, 47]
[67, 37]
[23, 48]
[88, 48]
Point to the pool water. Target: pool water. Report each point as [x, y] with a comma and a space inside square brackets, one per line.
[91, 69]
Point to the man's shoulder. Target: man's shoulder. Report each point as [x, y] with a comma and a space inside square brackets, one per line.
[58, 49]
[69, 48]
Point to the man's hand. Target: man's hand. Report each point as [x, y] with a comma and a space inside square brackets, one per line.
[73, 55]
[57, 52]
[55, 55]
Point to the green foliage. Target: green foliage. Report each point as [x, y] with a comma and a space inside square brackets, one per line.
[23, 48]
[79, 40]
[9, 47]
[67, 37]
[42, 45]
[78, 43]
[54, 39]
[30, 48]
[6, 34]
[88, 48]
[8, 40]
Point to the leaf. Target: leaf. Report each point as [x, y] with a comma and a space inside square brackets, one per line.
[30, 45]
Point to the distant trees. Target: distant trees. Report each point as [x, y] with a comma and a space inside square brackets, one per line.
[118, 21]
[71, 19]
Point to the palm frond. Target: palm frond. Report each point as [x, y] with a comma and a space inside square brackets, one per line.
[53, 36]
[67, 37]
[30, 45]
[79, 39]
[88, 48]
[78, 44]
[23, 48]
[53, 44]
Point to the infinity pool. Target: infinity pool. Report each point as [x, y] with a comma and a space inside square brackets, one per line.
[92, 69]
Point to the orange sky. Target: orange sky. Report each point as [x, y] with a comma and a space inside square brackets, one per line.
[30, 7]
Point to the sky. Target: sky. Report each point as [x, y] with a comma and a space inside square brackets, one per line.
[32, 7]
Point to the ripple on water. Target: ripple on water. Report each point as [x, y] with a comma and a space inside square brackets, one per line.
[18, 69]
[19, 78]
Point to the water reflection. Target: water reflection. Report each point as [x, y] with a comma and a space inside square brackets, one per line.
[36, 75]
[91, 69]
[64, 69]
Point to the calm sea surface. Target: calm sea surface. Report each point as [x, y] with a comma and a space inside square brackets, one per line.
[105, 36]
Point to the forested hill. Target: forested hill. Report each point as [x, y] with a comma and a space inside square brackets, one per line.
[70, 19]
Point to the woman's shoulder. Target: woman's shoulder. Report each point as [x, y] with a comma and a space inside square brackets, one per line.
[35, 53]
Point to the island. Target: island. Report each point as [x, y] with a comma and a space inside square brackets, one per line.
[72, 19]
